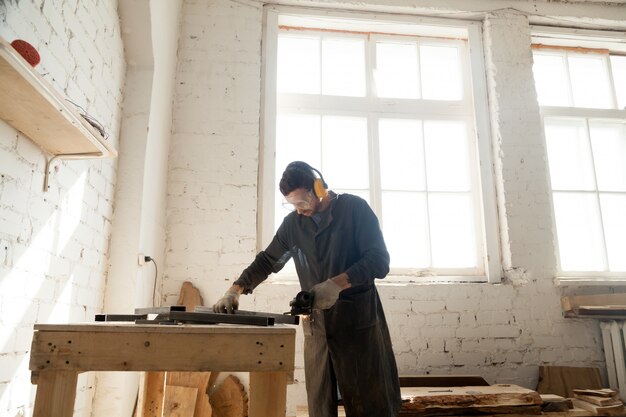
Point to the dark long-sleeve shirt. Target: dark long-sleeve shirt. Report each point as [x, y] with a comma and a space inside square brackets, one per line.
[347, 239]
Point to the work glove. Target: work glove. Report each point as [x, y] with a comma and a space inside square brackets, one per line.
[228, 303]
[325, 294]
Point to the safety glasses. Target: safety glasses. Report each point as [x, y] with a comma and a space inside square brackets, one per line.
[298, 202]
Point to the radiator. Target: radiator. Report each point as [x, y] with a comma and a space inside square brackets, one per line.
[613, 338]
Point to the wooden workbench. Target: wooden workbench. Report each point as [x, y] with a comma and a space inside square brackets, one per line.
[61, 351]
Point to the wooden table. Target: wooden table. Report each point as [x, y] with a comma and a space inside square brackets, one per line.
[61, 351]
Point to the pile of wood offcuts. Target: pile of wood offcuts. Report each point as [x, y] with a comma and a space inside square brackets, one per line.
[506, 401]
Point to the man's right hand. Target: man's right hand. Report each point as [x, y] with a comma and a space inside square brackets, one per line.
[228, 303]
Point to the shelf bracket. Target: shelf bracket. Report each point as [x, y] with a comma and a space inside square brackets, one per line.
[46, 177]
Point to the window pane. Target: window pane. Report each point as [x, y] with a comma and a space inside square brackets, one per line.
[614, 218]
[609, 153]
[441, 73]
[569, 155]
[298, 66]
[345, 152]
[579, 234]
[401, 155]
[298, 138]
[396, 73]
[590, 83]
[343, 67]
[405, 228]
[551, 80]
[452, 234]
[447, 156]
[618, 64]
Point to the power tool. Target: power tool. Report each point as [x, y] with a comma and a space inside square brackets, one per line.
[301, 304]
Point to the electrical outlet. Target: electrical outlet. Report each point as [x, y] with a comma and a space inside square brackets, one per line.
[141, 259]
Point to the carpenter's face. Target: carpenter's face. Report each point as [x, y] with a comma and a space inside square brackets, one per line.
[302, 201]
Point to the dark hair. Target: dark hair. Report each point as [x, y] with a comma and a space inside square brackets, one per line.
[298, 174]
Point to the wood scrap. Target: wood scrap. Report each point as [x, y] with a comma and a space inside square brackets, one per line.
[599, 410]
[553, 402]
[603, 401]
[154, 387]
[562, 380]
[494, 399]
[189, 296]
[508, 411]
[229, 399]
[603, 392]
[198, 381]
[571, 302]
[179, 401]
[502, 394]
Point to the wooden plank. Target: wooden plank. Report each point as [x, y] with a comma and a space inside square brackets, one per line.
[121, 327]
[617, 337]
[609, 410]
[604, 392]
[609, 357]
[56, 394]
[442, 380]
[154, 388]
[504, 395]
[179, 401]
[597, 400]
[524, 410]
[569, 303]
[163, 351]
[197, 380]
[268, 394]
[561, 380]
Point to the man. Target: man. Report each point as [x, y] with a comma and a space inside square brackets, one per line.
[338, 249]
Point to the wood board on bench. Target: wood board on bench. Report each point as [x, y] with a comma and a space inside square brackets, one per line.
[493, 399]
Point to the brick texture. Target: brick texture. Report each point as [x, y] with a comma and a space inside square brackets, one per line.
[54, 245]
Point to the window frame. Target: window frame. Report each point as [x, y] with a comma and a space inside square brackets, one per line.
[476, 96]
[566, 38]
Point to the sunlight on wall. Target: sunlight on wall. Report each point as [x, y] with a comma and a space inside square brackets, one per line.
[36, 276]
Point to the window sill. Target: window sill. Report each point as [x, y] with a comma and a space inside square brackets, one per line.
[395, 280]
[590, 281]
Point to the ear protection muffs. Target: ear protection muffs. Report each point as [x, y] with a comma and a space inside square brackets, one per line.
[320, 188]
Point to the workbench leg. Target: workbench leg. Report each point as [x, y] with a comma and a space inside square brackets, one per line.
[268, 394]
[56, 393]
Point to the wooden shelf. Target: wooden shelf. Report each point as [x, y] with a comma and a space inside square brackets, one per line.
[31, 105]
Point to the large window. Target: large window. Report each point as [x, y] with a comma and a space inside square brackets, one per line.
[582, 93]
[386, 111]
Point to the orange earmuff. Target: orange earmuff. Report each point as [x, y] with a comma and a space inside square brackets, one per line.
[319, 189]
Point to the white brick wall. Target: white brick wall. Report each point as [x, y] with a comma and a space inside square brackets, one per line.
[214, 151]
[54, 245]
